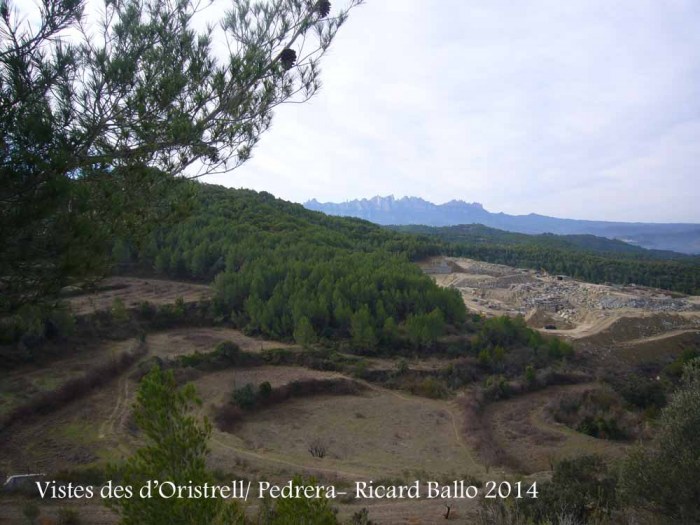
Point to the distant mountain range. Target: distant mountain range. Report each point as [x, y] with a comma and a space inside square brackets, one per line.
[679, 237]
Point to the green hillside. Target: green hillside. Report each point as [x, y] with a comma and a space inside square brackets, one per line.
[287, 272]
[586, 257]
[478, 233]
[283, 271]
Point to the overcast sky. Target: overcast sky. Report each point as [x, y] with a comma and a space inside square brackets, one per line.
[578, 108]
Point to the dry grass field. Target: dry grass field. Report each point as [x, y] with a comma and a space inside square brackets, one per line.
[132, 291]
[183, 341]
[377, 434]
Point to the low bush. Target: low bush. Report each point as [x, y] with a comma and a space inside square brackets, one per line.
[248, 398]
[640, 391]
[225, 355]
[596, 412]
[582, 488]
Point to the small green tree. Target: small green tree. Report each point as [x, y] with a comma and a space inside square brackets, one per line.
[665, 476]
[245, 397]
[118, 310]
[304, 333]
[390, 332]
[530, 375]
[175, 451]
[424, 330]
[581, 488]
[362, 330]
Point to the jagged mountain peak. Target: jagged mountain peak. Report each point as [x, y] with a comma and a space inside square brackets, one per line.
[388, 210]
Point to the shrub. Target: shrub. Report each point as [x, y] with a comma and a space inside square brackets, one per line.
[431, 387]
[641, 392]
[317, 448]
[595, 412]
[665, 476]
[361, 517]
[497, 387]
[147, 311]
[118, 310]
[264, 390]
[530, 375]
[84, 476]
[675, 369]
[245, 397]
[229, 351]
[582, 488]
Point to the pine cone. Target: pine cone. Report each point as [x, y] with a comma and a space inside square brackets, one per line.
[287, 58]
[323, 7]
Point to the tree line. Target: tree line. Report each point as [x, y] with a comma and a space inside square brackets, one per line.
[585, 257]
[288, 273]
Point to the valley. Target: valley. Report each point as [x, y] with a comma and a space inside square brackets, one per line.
[335, 349]
[378, 433]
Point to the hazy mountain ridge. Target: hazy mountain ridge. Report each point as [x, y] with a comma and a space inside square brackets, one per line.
[680, 237]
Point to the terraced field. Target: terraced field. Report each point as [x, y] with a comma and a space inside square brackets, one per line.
[374, 434]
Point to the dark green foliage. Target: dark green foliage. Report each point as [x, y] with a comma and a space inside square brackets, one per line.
[640, 391]
[601, 427]
[664, 476]
[478, 234]
[96, 127]
[229, 351]
[496, 387]
[175, 450]
[73, 389]
[530, 375]
[147, 311]
[506, 331]
[507, 345]
[362, 331]
[596, 412]
[583, 257]
[286, 272]
[245, 397]
[32, 325]
[304, 333]
[248, 398]
[675, 369]
[226, 354]
[431, 387]
[424, 329]
[264, 390]
[582, 488]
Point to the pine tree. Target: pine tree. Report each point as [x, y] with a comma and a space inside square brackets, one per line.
[98, 132]
[175, 451]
